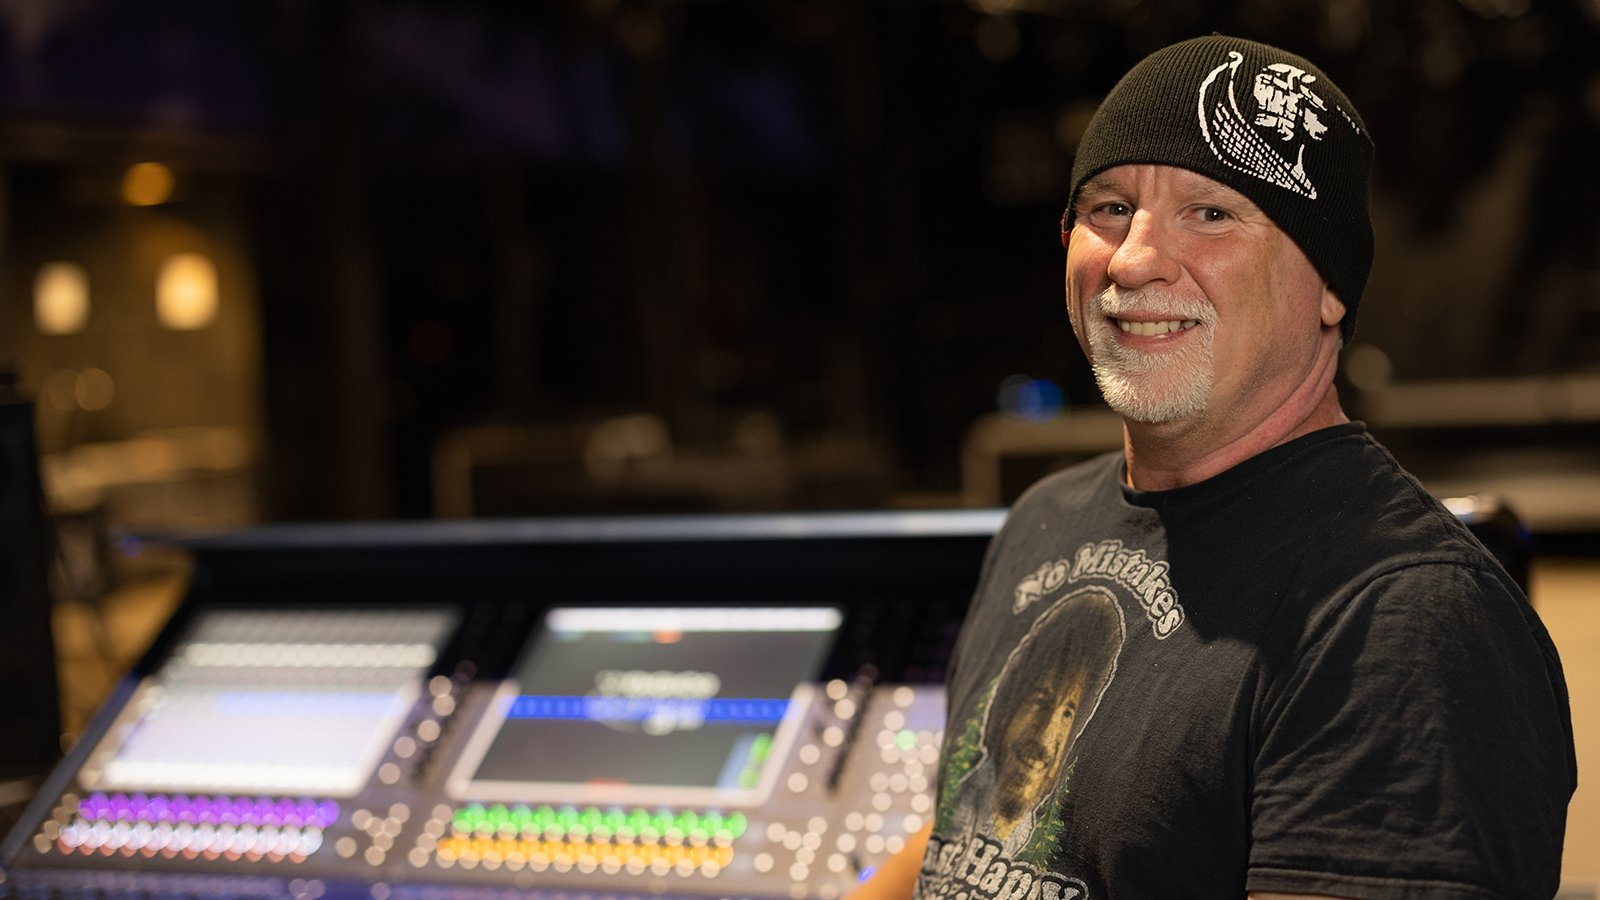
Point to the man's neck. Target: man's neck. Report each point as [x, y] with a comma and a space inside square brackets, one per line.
[1162, 465]
[1172, 455]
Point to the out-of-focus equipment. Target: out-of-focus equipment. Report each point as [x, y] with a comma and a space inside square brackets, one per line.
[30, 717]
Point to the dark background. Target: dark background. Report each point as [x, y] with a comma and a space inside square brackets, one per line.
[808, 242]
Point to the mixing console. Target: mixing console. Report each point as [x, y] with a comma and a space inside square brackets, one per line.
[363, 749]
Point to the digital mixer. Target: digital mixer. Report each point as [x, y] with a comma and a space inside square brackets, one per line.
[701, 706]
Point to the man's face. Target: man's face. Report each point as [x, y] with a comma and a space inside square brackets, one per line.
[1032, 743]
[1193, 306]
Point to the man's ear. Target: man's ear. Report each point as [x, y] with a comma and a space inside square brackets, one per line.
[1332, 308]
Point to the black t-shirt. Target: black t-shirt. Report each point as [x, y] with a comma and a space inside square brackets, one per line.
[1301, 675]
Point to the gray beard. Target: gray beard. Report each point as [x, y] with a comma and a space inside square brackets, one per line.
[1149, 387]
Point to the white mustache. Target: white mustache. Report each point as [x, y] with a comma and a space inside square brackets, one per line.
[1150, 302]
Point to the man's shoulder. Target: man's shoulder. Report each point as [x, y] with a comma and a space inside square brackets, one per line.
[1055, 509]
[1374, 508]
[1076, 482]
[1376, 538]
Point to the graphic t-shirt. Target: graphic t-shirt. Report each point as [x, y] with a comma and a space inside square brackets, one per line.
[1301, 675]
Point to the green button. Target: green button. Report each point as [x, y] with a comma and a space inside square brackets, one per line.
[660, 823]
[711, 822]
[638, 820]
[521, 819]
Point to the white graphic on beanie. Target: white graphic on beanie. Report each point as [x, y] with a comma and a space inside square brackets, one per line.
[1283, 101]
[1285, 108]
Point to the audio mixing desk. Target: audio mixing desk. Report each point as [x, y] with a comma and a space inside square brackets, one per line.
[703, 706]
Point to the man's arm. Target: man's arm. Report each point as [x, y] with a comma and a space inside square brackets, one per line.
[897, 875]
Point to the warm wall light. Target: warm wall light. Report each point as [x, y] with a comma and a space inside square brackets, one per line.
[60, 298]
[186, 292]
[147, 184]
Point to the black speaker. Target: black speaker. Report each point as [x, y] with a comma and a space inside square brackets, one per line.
[30, 712]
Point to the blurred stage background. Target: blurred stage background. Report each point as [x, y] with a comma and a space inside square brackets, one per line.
[289, 260]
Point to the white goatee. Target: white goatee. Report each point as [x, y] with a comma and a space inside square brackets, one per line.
[1151, 386]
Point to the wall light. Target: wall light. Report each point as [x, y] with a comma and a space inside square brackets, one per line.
[186, 291]
[61, 298]
[147, 184]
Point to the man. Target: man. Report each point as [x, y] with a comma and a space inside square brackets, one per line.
[1321, 684]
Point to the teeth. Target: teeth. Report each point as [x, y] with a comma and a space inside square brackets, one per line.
[1150, 329]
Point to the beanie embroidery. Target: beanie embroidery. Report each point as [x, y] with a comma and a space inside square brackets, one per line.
[1284, 104]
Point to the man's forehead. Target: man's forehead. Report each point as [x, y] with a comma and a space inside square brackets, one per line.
[1190, 185]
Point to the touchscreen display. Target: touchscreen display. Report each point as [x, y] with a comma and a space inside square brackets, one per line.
[300, 701]
[688, 705]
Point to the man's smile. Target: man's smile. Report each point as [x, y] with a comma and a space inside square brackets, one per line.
[1152, 329]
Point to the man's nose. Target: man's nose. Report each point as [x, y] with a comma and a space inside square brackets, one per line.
[1142, 257]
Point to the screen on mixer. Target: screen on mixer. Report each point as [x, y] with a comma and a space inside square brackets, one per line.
[298, 701]
[650, 705]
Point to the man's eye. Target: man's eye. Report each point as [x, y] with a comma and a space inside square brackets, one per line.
[1108, 213]
[1212, 214]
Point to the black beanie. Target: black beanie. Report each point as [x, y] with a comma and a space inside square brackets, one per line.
[1262, 121]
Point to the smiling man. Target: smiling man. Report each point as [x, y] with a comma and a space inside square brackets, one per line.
[1309, 679]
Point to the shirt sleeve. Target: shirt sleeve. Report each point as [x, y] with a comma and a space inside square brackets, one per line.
[1415, 743]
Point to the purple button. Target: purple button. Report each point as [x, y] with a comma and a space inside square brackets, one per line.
[93, 806]
[327, 814]
[304, 812]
